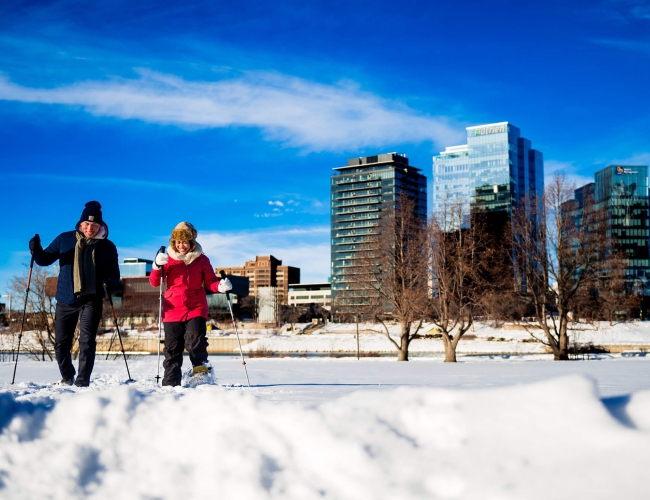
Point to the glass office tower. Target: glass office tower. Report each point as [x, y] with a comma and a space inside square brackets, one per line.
[622, 191]
[493, 171]
[451, 178]
[358, 192]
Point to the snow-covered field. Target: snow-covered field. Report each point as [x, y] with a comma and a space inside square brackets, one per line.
[340, 338]
[493, 427]
[483, 339]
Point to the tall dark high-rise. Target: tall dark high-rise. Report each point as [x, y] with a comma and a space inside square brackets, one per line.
[360, 191]
[622, 192]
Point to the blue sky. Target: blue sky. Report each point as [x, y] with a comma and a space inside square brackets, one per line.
[232, 114]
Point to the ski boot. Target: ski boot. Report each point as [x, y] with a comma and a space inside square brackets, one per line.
[201, 374]
[65, 381]
[201, 370]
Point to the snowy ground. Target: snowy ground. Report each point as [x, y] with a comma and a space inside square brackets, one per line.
[340, 338]
[482, 339]
[511, 427]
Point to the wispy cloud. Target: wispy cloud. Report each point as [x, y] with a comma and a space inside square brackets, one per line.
[620, 11]
[637, 159]
[640, 11]
[299, 113]
[629, 45]
[308, 248]
[121, 181]
[568, 169]
[278, 203]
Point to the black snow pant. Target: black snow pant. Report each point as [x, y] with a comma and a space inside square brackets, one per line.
[88, 314]
[180, 335]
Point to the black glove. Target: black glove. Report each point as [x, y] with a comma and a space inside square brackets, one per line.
[35, 244]
[110, 285]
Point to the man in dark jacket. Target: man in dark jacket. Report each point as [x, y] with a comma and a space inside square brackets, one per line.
[87, 260]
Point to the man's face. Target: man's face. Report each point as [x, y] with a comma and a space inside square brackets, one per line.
[89, 229]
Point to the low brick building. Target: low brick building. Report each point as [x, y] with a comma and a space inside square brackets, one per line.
[266, 271]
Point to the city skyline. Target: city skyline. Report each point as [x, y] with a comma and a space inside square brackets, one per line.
[233, 116]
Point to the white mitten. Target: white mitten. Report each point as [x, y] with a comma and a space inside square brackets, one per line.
[161, 260]
[224, 285]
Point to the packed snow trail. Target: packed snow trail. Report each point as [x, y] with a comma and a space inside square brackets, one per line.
[548, 439]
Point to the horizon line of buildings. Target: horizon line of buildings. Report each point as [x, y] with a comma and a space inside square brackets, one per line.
[494, 170]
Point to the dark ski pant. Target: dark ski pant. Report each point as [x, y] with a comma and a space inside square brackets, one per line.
[180, 335]
[88, 314]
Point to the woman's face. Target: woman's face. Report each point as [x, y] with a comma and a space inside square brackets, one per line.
[182, 247]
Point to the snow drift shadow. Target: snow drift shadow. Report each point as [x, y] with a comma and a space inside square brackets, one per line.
[410, 442]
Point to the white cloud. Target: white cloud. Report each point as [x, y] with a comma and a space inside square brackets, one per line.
[297, 112]
[278, 203]
[641, 12]
[267, 214]
[637, 159]
[570, 170]
[307, 249]
[551, 167]
[630, 45]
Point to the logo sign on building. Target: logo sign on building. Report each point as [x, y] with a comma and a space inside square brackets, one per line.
[622, 170]
[490, 130]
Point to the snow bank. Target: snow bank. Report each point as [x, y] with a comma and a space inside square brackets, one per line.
[552, 439]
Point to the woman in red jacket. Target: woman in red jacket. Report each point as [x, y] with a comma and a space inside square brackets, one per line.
[188, 273]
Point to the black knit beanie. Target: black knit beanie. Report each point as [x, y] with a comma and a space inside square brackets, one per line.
[92, 213]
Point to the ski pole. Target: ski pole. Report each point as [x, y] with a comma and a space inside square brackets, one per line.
[160, 303]
[119, 335]
[243, 362]
[22, 323]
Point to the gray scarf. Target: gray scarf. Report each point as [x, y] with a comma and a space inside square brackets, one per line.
[85, 282]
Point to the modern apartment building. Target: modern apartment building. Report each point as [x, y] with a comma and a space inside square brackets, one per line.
[493, 171]
[622, 191]
[359, 192]
[311, 293]
[266, 271]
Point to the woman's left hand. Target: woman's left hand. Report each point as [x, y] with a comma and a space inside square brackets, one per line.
[224, 285]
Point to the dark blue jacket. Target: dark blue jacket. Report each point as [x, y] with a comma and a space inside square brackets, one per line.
[62, 248]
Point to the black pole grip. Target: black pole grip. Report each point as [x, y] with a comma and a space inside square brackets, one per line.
[160, 250]
[37, 242]
[108, 295]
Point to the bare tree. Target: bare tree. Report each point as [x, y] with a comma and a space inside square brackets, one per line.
[351, 308]
[251, 305]
[291, 314]
[610, 298]
[40, 312]
[390, 272]
[465, 269]
[564, 261]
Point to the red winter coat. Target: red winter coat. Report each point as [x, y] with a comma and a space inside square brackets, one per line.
[186, 283]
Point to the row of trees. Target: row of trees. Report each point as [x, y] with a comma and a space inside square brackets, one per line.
[547, 264]
[39, 318]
